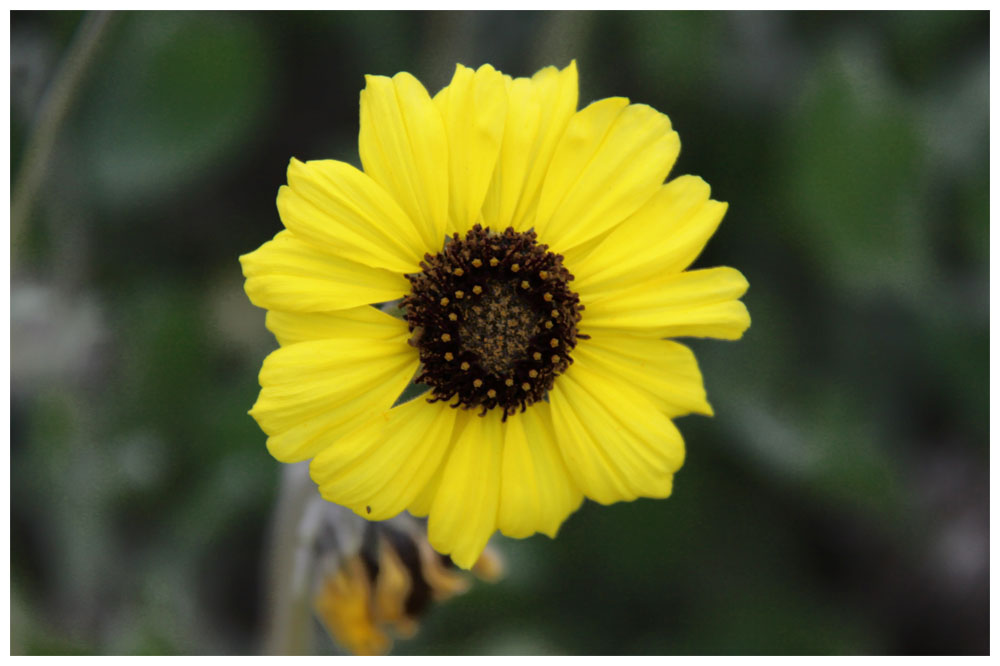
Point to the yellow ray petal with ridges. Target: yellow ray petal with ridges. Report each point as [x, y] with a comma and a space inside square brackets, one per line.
[335, 206]
[404, 148]
[537, 115]
[611, 160]
[361, 322]
[312, 435]
[422, 503]
[290, 274]
[558, 95]
[536, 491]
[582, 138]
[299, 379]
[662, 237]
[702, 303]
[417, 467]
[379, 469]
[314, 392]
[464, 513]
[614, 441]
[578, 253]
[474, 109]
[665, 371]
[520, 132]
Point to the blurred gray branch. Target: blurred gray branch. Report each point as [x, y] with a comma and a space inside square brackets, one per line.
[55, 105]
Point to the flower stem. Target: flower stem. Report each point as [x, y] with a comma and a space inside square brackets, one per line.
[55, 105]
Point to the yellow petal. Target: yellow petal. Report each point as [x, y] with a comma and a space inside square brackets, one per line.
[523, 116]
[378, 469]
[700, 303]
[612, 158]
[404, 148]
[664, 236]
[616, 444]
[337, 207]
[422, 503]
[393, 587]
[574, 256]
[665, 371]
[537, 115]
[536, 492]
[490, 566]
[364, 322]
[474, 109]
[464, 513]
[344, 604]
[290, 274]
[443, 580]
[314, 392]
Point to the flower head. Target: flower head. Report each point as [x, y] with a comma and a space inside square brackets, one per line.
[374, 582]
[538, 259]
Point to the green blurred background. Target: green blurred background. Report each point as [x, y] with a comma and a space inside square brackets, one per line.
[837, 503]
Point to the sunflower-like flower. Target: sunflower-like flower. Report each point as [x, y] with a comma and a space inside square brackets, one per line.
[538, 261]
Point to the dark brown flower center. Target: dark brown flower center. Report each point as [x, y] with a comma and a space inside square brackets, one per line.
[494, 320]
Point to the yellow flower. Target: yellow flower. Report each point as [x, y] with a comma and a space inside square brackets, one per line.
[541, 261]
[376, 584]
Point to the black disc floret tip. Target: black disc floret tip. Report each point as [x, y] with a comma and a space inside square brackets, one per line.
[494, 320]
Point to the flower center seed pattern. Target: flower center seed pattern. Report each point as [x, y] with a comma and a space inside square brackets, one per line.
[494, 320]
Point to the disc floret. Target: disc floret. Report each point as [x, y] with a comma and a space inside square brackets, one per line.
[494, 320]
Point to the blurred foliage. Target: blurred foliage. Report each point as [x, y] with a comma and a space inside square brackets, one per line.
[838, 502]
